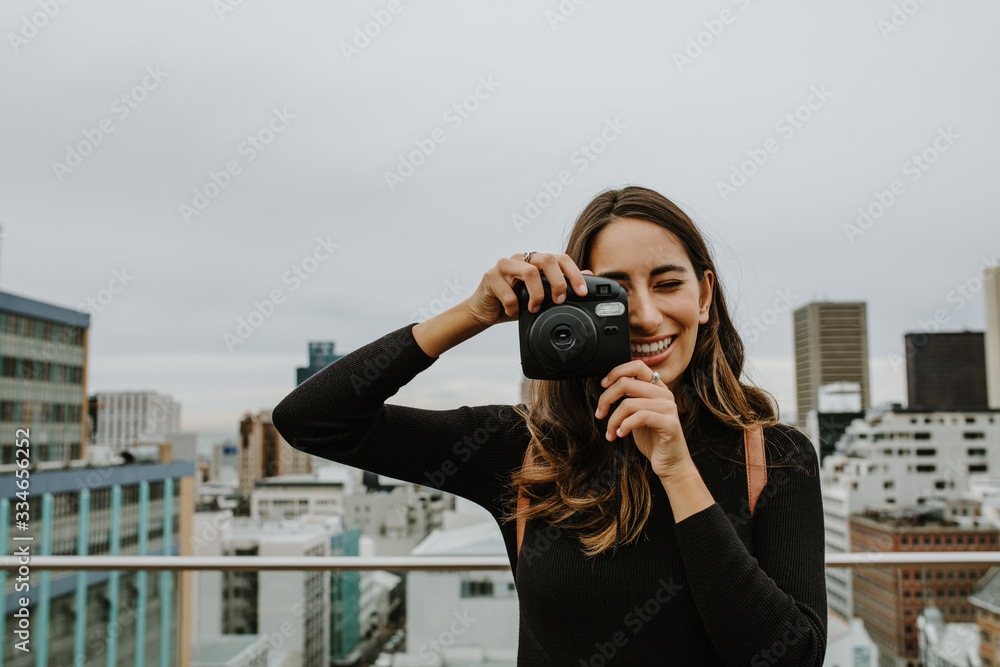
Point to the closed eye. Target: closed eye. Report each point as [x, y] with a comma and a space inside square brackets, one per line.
[672, 283]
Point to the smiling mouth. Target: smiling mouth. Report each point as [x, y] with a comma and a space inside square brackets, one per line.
[651, 349]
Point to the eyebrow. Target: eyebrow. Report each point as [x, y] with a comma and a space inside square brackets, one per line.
[666, 268]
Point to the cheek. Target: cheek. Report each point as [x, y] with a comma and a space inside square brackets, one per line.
[683, 308]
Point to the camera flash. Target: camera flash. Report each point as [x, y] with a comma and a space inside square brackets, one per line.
[609, 309]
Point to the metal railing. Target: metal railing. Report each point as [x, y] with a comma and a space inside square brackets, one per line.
[442, 563]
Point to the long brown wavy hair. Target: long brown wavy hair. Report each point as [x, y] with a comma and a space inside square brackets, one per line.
[569, 480]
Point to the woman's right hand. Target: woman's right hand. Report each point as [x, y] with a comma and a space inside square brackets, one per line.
[495, 300]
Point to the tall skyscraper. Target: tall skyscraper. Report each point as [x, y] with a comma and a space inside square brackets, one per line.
[43, 352]
[946, 371]
[831, 345]
[991, 291]
[320, 356]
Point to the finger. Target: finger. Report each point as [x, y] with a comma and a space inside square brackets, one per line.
[649, 418]
[518, 269]
[573, 272]
[550, 266]
[498, 286]
[634, 368]
[628, 408]
[628, 388]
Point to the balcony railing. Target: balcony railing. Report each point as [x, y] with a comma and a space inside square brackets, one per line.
[443, 563]
[172, 651]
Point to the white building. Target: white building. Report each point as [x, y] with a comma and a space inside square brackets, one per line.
[947, 644]
[292, 609]
[849, 644]
[128, 417]
[224, 462]
[895, 457]
[288, 496]
[465, 618]
[396, 520]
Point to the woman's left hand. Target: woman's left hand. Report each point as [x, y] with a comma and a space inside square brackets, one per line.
[649, 413]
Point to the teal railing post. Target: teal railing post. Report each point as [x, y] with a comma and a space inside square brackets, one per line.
[42, 638]
[165, 593]
[140, 612]
[80, 602]
[114, 577]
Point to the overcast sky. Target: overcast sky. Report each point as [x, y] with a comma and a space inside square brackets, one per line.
[116, 115]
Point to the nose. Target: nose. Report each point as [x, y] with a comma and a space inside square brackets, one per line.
[642, 312]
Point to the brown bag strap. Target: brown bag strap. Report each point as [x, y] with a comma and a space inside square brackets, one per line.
[753, 441]
[756, 464]
[522, 503]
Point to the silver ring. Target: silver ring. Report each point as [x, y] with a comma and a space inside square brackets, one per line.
[656, 377]
[527, 256]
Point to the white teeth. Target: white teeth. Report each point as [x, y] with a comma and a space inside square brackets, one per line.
[646, 349]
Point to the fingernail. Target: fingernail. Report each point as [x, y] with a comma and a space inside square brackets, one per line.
[604, 381]
[608, 435]
[560, 298]
[597, 412]
[618, 432]
[582, 288]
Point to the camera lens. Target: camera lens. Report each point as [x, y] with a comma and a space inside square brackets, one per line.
[562, 336]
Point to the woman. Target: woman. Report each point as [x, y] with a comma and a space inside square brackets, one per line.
[660, 563]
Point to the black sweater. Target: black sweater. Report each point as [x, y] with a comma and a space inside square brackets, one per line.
[718, 588]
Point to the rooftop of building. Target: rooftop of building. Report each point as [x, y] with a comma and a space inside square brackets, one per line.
[224, 650]
[294, 479]
[480, 539]
[324, 477]
[900, 409]
[986, 594]
[22, 305]
[73, 478]
[300, 529]
[928, 517]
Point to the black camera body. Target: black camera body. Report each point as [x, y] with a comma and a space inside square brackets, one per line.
[584, 336]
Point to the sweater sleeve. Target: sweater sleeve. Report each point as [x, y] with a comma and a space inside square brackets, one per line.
[770, 609]
[340, 414]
